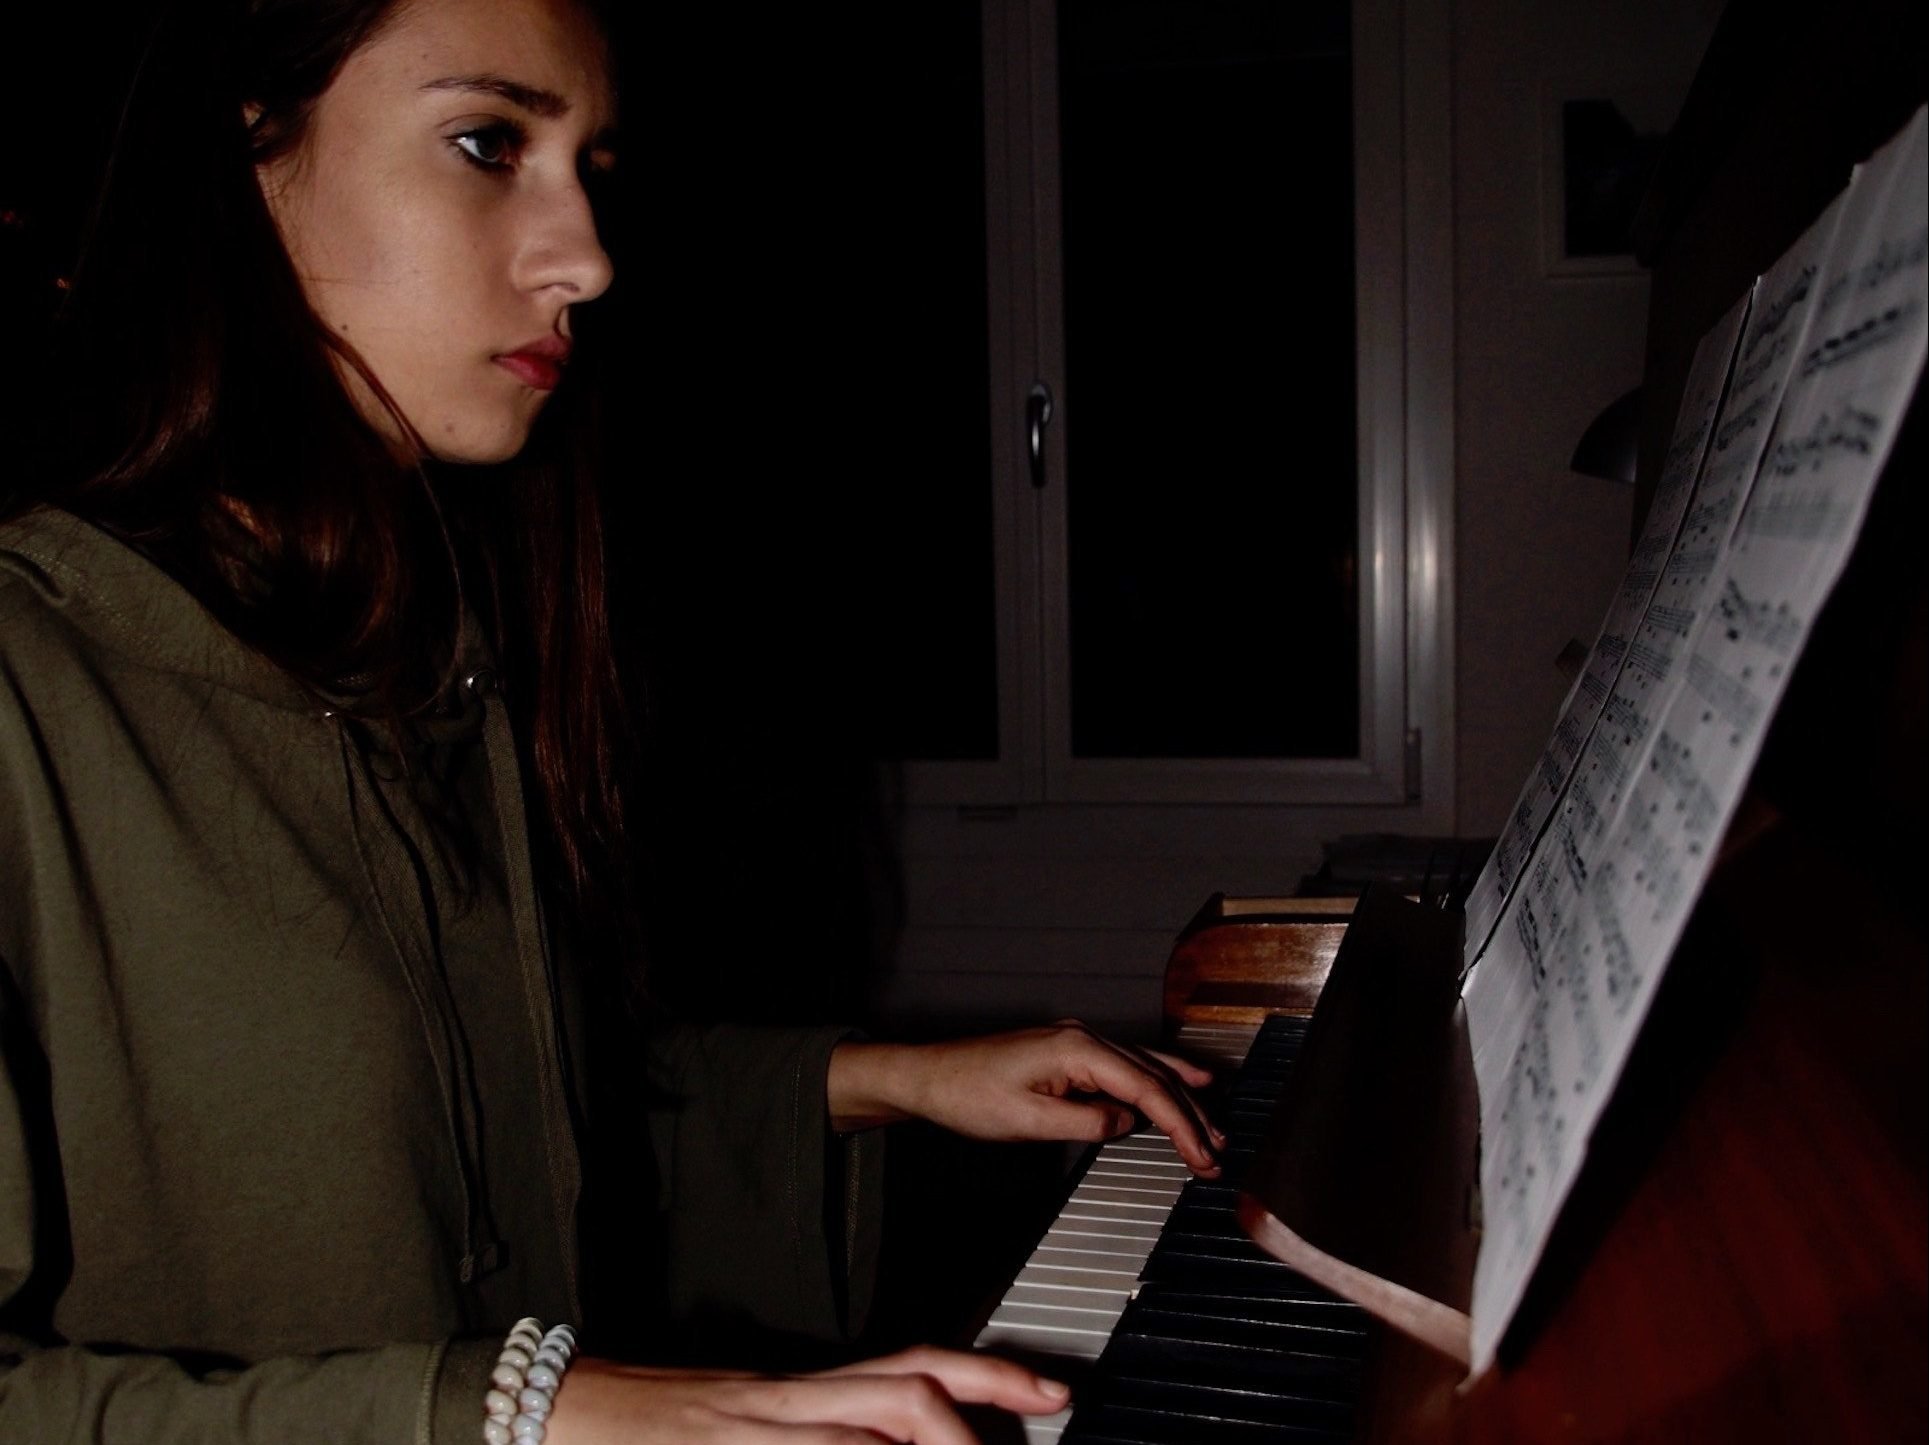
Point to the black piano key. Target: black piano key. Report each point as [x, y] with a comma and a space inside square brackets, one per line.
[1218, 1272]
[1256, 1399]
[1204, 1247]
[1193, 1418]
[1128, 1425]
[1306, 1322]
[1168, 1365]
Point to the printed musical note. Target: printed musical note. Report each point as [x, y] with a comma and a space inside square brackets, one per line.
[1609, 759]
[1553, 774]
[1780, 306]
[1569, 739]
[1671, 619]
[1588, 815]
[1850, 430]
[1571, 855]
[1695, 804]
[1656, 878]
[1528, 927]
[1730, 696]
[1764, 364]
[1639, 582]
[1751, 416]
[1653, 662]
[1770, 624]
[1624, 717]
[1692, 563]
[1532, 1101]
[1620, 974]
[1894, 259]
[1866, 334]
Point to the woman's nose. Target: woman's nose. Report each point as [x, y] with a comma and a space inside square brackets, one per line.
[567, 249]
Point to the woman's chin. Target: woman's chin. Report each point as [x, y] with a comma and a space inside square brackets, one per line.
[481, 445]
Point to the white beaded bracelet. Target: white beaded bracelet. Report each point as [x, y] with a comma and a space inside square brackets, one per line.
[524, 1382]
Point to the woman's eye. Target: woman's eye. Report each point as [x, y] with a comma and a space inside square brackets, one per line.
[491, 147]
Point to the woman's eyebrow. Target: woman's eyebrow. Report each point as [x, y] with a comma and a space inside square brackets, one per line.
[532, 98]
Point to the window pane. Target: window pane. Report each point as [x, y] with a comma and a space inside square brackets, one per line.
[1212, 503]
[816, 267]
[916, 227]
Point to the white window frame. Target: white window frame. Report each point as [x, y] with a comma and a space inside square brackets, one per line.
[1403, 265]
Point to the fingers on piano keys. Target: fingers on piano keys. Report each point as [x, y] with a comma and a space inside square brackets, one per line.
[1222, 1343]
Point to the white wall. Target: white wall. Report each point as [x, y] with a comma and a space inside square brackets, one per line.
[1539, 549]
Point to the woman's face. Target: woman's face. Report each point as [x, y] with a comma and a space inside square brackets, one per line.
[436, 214]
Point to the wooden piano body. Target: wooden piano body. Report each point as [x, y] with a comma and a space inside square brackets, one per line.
[1747, 1258]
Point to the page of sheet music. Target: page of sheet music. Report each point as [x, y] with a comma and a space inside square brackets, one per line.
[1512, 966]
[1603, 666]
[1830, 355]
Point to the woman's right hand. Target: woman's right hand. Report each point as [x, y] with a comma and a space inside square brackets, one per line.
[907, 1397]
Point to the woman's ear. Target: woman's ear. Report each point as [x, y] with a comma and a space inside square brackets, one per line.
[272, 175]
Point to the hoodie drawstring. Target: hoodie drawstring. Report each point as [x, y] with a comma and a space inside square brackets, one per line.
[436, 1012]
[559, 1134]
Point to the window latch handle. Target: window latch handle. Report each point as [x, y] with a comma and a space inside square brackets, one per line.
[1038, 416]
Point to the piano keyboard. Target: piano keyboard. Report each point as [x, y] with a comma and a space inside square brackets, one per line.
[1187, 1333]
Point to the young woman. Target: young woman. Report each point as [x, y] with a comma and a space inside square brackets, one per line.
[314, 854]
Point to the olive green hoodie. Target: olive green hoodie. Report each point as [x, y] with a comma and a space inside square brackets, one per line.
[288, 1120]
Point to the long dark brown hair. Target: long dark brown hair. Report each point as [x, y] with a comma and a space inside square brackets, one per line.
[201, 418]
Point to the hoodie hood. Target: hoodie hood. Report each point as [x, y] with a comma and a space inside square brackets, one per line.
[127, 604]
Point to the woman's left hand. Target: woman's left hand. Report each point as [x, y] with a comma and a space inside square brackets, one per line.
[1061, 1082]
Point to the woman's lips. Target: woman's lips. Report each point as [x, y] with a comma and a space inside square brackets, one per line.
[544, 373]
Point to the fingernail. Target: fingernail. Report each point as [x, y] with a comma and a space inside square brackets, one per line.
[1054, 1389]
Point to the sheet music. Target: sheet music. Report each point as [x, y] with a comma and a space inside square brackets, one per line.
[1585, 699]
[1511, 968]
[1831, 353]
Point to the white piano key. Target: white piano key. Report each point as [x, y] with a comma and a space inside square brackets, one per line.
[1103, 1314]
[1066, 1276]
[1131, 1184]
[1062, 1255]
[1076, 1227]
[1046, 1429]
[1144, 1168]
[1088, 1212]
[1078, 1338]
[1142, 1144]
[1129, 1200]
[1154, 1165]
[1216, 1046]
[1066, 1296]
[1125, 1195]
[1080, 1341]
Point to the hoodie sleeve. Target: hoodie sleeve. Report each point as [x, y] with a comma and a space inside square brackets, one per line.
[768, 1218]
[58, 1392]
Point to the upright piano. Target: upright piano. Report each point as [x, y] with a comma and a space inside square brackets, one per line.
[1746, 1254]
